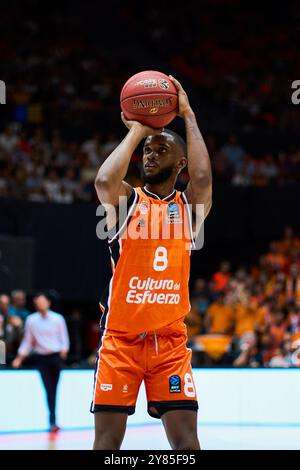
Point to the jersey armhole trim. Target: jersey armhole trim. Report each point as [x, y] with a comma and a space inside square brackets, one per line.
[131, 209]
[189, 214]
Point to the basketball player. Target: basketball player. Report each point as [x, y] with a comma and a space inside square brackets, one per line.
[143, 335]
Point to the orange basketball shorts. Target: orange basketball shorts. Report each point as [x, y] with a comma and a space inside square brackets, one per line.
[160, 358]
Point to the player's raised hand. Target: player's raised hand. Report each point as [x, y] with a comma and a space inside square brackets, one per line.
[145, 130]
[183, 101]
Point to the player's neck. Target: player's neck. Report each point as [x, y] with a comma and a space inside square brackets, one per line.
[162, 190]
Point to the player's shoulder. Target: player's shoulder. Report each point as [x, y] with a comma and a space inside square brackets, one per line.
[137, 191]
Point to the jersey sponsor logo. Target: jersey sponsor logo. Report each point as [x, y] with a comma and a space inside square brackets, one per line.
[174, 384]
[143, 207]
[173, 214]
[153, 284]
[106, 387]
[141, 291]
[151, 298]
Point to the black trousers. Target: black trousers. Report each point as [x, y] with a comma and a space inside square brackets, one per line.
[49, 366]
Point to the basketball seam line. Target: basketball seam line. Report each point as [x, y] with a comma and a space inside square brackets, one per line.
[153, 115]
[161, 93]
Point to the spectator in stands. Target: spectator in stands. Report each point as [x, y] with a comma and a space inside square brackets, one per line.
[3, 182]
[201, 296]
[219, 318]
[222, 276]
[8, 141]
[193, 320]
[37, 195]
[294, 320]
[63, 196]
[111, 143]
[275, 259]
[268, 168]
[33, 182]
[71, 183]
[5, 308]
[292, 356]
[18, 305]
[221, 167]
[237, 286]
[275, 335]
[93, 148]
[249, 352]
[52, 184]
[10, 326]
[249, 321]
[234, 153]
[4, 312]
[293, 283]
[289, 241]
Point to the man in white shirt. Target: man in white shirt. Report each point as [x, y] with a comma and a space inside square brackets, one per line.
[45, 335]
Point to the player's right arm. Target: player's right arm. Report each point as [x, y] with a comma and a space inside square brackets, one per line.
[109, 183]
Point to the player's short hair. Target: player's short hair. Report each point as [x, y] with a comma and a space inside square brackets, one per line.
[178, 139]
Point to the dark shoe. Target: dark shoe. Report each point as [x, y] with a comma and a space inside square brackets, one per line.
[54, 428]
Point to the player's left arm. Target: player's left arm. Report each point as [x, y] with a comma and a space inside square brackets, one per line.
[199, 188]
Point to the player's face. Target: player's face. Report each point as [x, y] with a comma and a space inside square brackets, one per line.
[160, 155]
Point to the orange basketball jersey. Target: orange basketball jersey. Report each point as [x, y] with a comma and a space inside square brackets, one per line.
[150, 257]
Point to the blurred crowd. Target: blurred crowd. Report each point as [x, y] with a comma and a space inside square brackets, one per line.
[35, 169]
[249, 317]
[64, 66]
[64, 78]
[13, 314]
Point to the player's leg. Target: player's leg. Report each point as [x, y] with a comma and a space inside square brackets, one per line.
[171, 390]
[181, 429]
[109, 430]
[117, 381]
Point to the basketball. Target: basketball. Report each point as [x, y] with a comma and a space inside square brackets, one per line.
[150, 98]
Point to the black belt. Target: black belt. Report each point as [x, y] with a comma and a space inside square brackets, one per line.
[48, 355]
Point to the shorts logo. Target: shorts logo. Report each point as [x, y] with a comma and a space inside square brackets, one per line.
[125, 388]
[174, 384]
[173, 214]
[106, 387]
